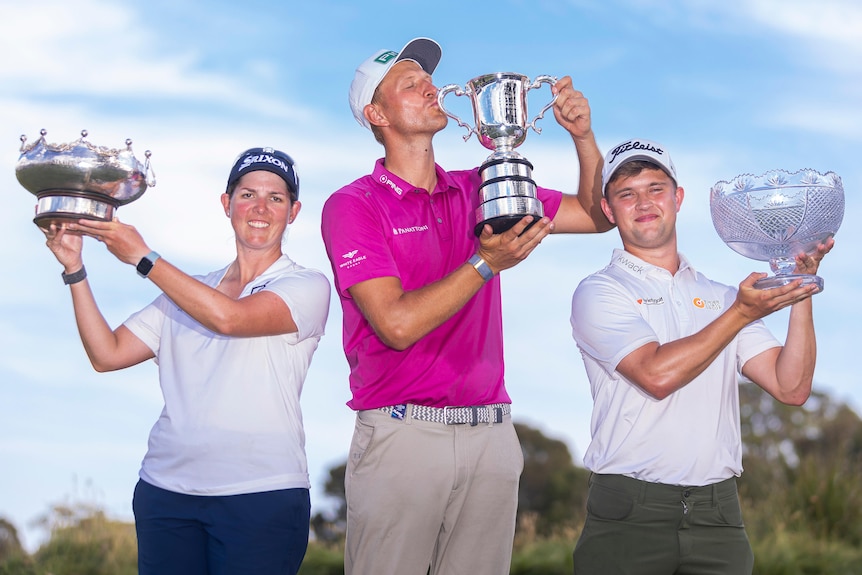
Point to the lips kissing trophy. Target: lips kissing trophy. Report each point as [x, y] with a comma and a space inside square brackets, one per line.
[776, 216]
[79, 180]
[508, 192]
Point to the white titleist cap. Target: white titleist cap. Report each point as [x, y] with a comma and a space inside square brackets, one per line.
[370, 73]
[638, 149]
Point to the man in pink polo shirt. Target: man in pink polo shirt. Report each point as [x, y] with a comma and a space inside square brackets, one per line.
[433, 470]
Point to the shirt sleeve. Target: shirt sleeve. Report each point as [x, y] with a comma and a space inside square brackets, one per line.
[551, 200]
[605, 325]
[355, 241]
[753, 339]
[147, 323]
[306, 293]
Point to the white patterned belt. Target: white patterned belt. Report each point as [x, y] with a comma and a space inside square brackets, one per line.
[474, 414]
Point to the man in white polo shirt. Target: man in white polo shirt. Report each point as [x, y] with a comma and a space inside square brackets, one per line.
[662, 346]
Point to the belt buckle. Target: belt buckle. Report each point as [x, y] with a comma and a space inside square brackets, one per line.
[474, 417]
[475, 414]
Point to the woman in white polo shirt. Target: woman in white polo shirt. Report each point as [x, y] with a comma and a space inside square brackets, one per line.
[224, 484]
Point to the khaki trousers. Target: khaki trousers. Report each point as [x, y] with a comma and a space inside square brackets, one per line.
[422, 494]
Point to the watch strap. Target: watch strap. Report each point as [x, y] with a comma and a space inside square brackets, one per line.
[74, 277]
[146, 264]
[481, 266]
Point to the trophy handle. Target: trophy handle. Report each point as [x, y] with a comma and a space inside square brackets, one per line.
[150, 175]
[536, 84]
[458, 92]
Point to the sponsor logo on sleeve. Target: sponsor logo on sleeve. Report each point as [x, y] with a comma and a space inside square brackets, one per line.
[352, 260]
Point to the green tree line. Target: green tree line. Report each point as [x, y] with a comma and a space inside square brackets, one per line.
[801, 494]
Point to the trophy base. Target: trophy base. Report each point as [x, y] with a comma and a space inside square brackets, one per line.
[503, 213]
[62, 206]
[783, 280]
[507, 193]
[501, 224]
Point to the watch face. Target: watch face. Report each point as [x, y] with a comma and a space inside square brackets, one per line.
[144, 266]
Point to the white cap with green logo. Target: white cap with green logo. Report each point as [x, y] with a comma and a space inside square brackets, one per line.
[370, 73]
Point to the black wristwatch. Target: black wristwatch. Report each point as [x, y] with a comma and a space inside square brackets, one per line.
[146, 264]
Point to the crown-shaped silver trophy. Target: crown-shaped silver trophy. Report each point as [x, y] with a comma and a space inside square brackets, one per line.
[508, 192]
[78, 180]
[776, 216]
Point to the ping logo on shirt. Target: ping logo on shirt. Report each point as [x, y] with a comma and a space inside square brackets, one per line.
[258, 288]
[384, 179]
[713, 305]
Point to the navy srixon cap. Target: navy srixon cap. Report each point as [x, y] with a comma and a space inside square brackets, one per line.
[270, 160]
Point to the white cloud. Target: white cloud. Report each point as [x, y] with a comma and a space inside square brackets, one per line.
[842, 119]
[101, 49]
[836, 22]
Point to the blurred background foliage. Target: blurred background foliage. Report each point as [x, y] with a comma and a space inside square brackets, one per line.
[801, 494]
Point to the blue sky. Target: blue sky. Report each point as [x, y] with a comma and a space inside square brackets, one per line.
[742, 86]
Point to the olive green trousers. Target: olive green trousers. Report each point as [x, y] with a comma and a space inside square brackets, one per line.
[635, 527]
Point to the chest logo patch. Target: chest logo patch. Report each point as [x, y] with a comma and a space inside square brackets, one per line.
[713, 305]
[651, 301]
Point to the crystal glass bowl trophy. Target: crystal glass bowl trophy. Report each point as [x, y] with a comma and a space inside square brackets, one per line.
[78, 180]
[776, 216]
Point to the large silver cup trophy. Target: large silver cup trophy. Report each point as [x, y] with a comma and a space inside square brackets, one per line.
[776, 216]
[508, 192]
[79, 180]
